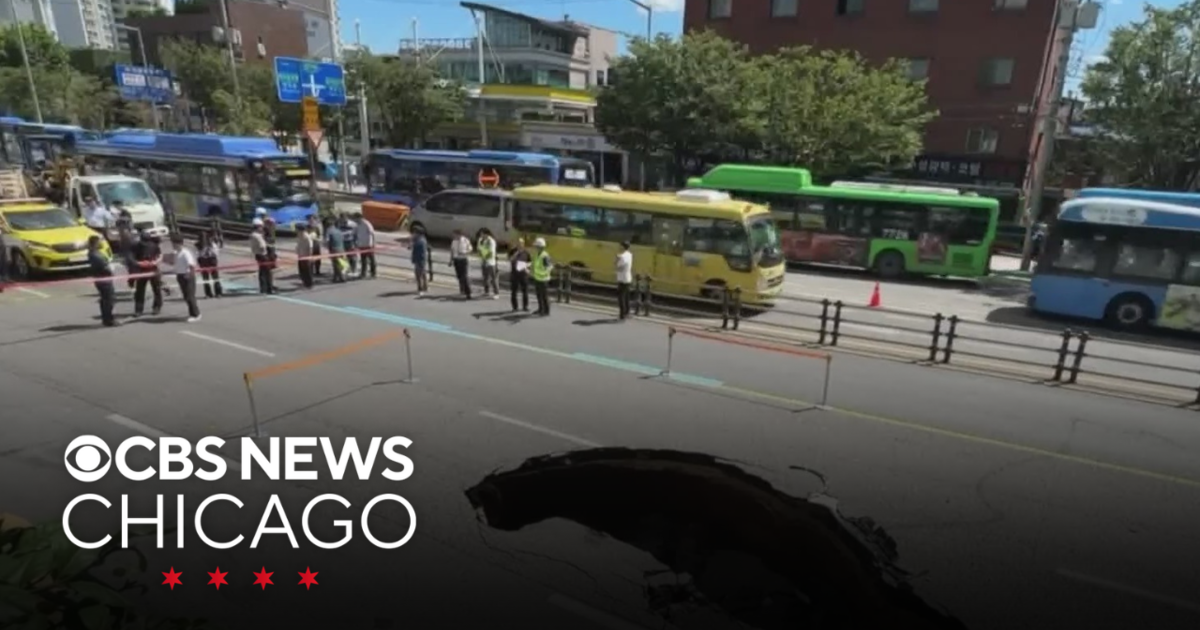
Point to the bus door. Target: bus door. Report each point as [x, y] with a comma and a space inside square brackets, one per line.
[670, 272]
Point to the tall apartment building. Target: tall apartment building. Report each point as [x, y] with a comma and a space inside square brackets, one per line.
[990, 68]
[85, 23]
[40, 12]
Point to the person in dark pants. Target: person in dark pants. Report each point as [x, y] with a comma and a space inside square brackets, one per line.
[318, 238]
[185, 274]
[208, 257]
[126, 244]
[258, 247]
[148, 255]
[541, 270]
[460, 259]
[519, 260]
[364, 240]
[336, 244]
[420, 258]
[304, 263]
[102, 271]
[347, 227]
[3, 267]
[624, 268]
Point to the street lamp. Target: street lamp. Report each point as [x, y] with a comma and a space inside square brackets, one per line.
[37, 106]
[649, 18]
[145, 64]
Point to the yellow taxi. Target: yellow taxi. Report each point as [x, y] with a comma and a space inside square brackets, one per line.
[41, 237]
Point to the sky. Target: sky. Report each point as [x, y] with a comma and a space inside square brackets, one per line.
[385, 22]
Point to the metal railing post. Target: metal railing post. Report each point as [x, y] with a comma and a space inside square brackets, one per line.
[559, 285]
[825, 388]
[636, 307]
[249, 380]
[825, 323]
[1080, 352]
[936, 336]
[837, 323]
[1063, 349]
[670, 351]
[649, 297]
[408, 357]
[725, 299]
[951, 335]
[569, 279]
[737, 307]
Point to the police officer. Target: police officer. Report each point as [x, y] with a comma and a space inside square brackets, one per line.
[258, 247]
[540, 270]
[148, 254]
[102, 271]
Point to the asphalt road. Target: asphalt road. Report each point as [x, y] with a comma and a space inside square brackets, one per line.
[1015, 506]
[995, 331]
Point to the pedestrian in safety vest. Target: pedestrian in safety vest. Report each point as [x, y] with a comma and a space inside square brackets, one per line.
[542, 264]
[102, 272]
[487, 260]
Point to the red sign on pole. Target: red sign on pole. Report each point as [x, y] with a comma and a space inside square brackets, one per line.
[315, 136]
[489, 178]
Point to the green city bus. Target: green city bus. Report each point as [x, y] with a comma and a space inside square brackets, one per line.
[892, 230]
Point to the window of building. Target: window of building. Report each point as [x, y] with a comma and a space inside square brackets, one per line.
[918, 68]
[720, 8]
[996, 71]
[1010, 5]
[922, 6]
[783, 8]
[850, 7]
[982, 140]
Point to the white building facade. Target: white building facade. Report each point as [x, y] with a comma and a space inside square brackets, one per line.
[85, 23]
[39, 12]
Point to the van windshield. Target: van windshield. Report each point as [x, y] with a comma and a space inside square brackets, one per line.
[129, 193]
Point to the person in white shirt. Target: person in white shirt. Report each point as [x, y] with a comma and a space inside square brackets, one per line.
[97, 216]
[364, 240]
[349, 228]
[304, 252]
[487, 260]
[460, 252]
[185, 272]
[624, 279]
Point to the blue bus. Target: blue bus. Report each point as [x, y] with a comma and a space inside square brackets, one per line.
[407, 176]
[1126, 262]
[34, 146]
[203, 176]
[1160, 196]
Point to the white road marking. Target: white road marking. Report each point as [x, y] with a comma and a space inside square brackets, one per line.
[1130, 590]
[147, 430]
[597, 617]
[134, 425]
[33, 292]
[230, 344]
[538, 429]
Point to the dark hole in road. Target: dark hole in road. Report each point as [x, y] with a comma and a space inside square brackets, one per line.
[734, 542]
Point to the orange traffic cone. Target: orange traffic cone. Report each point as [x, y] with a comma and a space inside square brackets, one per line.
[876, 300]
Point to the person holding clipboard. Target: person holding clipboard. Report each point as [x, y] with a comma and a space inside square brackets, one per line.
[519, 260]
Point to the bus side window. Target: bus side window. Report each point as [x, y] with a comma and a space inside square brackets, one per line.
[622, 225]
[1190, 273]
[583, 220]
[811, 214]
[536, 216]
[898, 221]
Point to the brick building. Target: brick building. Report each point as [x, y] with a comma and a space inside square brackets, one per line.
[261, 31]
[989, 65]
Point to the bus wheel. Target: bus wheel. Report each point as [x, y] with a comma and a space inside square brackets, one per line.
[1129, 311]
[889, 264]
[713, 290]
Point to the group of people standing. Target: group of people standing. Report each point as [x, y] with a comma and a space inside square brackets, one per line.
[524, 267]
[145, 260]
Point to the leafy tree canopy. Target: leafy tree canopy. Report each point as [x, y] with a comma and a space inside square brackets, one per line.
[407, 95]
[44, 51]
[1145, 99]
[703, 95]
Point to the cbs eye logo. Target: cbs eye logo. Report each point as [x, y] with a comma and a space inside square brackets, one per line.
[87, 458]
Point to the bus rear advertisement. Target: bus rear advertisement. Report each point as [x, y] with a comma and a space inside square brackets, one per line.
[1124, 261]
[692, 243]
[891, 230]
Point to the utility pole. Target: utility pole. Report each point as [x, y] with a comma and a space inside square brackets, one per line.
[1067, 20]
[364, 125]
[649, 36]
[237, 90]
[37, 106]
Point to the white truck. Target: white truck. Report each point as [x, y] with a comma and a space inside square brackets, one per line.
[134, 194]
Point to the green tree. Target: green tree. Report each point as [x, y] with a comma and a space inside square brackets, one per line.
[408, 97]
[201, 70]
[681, 99]
[43, 49]
[831, 112]
[1144, 98]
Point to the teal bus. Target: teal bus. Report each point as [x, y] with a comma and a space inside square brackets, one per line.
[891, 230]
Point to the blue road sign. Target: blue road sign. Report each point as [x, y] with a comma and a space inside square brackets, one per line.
[145, 83]
[297, 78]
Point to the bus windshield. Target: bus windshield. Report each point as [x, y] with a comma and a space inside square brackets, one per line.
[765, 241]
[278, 186]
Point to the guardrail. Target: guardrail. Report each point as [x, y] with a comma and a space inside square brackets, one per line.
[1070, 356]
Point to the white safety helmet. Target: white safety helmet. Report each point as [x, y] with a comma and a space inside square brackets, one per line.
[540, 243]
[257, 223]
[260, 212]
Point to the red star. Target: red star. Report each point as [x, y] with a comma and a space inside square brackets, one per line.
[218, 578]
[263, 578]
[172, 578]
[308, 579]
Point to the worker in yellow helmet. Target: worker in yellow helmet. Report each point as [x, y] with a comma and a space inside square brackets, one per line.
[542, 265]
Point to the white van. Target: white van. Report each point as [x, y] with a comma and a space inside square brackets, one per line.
[469, 210]
[134, 193]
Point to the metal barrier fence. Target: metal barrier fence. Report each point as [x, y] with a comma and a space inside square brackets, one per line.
[1069, 356]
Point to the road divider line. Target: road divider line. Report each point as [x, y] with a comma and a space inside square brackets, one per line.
[529, 426]
[796, 402]
[227, 343]
[34, 292]
[134, 425]
[598, 617]
[322, 357]
[1134, 591]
